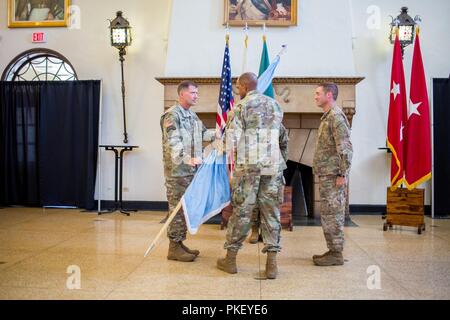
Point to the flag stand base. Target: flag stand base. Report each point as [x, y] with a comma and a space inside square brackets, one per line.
[405, 208]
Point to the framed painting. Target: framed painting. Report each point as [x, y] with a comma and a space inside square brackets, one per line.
[38, 13]
[279, 13]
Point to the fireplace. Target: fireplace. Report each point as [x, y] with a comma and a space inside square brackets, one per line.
[301, 118]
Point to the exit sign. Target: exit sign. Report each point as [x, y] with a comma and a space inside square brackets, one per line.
[38, 37]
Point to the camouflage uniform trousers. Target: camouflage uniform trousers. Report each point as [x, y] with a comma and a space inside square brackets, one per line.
[250, 191]
[332, 212]
[176, 187]
[256, 215]
[256, 218]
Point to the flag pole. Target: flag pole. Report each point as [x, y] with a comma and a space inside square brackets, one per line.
[169, 220]
[244, 60]
[283, 50]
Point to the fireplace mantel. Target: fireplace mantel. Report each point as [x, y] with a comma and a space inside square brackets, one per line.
[277, 80]
[295, 94]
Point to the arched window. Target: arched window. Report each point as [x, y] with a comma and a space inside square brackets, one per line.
[39, 65]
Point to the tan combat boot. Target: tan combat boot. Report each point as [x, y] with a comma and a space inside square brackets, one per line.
[271, 265]
[190, 251]
[334, 258]
[228, 264]
[317, 256]
[255, 235]
[176, 252]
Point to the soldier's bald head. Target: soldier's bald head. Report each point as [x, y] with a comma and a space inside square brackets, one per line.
[249, 80]
[246, 82]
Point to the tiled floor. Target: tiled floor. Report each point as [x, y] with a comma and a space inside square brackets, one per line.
[37, 246]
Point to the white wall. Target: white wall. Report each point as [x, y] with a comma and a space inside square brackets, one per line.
[197, 39]
[331, 39]
[89, 50]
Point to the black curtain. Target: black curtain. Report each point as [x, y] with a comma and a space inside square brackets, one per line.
[19, 146]
[60, 143]
[441, 143]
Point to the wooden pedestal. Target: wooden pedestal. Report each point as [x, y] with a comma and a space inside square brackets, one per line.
[285, 211]
[405, 208]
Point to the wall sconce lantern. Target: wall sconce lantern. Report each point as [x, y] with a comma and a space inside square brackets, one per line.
[121, 38]
[405, 26]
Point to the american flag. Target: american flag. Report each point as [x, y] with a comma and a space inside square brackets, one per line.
[226, 100]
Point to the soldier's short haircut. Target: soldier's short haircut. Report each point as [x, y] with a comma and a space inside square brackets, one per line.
[330, 87]
[249, 79]
[184, 85]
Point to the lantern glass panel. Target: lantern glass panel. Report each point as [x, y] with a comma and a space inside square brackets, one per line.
[405, 33]
[119, 36]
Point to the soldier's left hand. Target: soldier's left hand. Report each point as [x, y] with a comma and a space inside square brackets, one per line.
[341, 181]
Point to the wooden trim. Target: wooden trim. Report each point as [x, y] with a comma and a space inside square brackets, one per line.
[277, 80]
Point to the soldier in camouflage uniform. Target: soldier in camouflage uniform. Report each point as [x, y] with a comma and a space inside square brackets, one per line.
[182, 136]
[259, 164]
[332, 161]
[256, 215]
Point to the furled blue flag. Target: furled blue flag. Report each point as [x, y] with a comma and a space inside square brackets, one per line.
[265, 79]
[209, 191]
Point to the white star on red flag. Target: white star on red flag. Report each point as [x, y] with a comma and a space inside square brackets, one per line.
[395, 89]
[413, 108]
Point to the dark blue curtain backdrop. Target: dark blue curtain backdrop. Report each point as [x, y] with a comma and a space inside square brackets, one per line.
[49, 143]
[441, 154]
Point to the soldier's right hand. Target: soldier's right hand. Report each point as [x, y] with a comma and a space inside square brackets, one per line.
[195, 162]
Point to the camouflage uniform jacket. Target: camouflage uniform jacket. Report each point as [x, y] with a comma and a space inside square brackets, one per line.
[260, 139]
[333, 155]
[182, 136]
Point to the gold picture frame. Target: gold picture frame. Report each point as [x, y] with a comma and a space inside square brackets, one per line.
[38, 13]
[277, 13]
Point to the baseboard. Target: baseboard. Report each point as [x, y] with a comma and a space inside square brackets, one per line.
[362, 209]
[151, 206]
[137, 205]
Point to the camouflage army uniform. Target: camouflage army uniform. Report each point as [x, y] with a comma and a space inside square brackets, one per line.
[182, 136]
[333, 158]
[255, 129]
[284, 139]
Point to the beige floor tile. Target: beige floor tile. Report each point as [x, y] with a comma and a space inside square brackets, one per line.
[38, 245]
[215, 283]
[14, 293]
[31, 240]
[120, 226]
[12, 216]
[9, 257]
[50, 270]
[106, 243]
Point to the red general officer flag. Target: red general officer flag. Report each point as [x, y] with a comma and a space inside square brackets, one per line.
[418, 136]
[396, 131]
[397, 117]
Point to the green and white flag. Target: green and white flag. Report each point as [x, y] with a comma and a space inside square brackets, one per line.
[264, 64]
